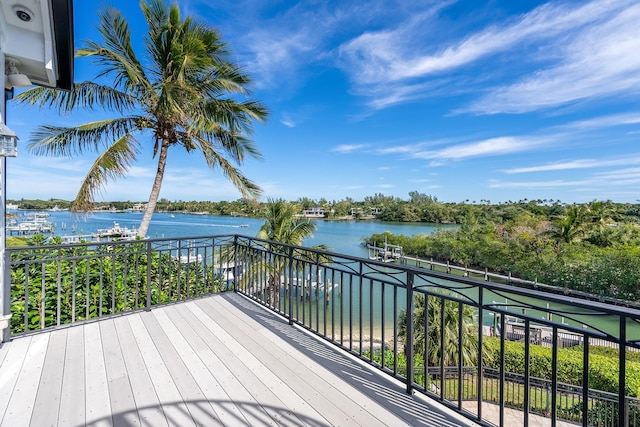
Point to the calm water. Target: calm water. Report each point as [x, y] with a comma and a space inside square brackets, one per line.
[340, 236]
[343, 237]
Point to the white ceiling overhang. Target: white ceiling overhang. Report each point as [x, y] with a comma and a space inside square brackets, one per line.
[37, 35]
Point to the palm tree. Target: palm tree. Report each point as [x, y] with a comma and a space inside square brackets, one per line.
[452, 343]
[570, 226]
[185, 96]
[282, 225]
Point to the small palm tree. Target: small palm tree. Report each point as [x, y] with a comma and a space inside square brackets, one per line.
[282, 225]
[433, 336]
[185, 96]
[571, 226]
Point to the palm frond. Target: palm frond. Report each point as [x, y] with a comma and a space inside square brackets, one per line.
[248, 188]
[112, 163]
[84, 95]
[231, 114]
[68, 141]
[116, 56]
[235, 146]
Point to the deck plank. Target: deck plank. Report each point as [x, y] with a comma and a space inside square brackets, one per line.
[20, 406]
[10, 369]
[98, 402]
[201, 411]
[123, 405]
[213, 392]
[237, 397]
[220, 360]
[144, 394]
[250, 374]
[253, 358]
[72, 399]
[208, 348]
[47, 404]
[310, 381]
[173, 406]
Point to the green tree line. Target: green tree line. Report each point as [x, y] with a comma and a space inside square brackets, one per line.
[594, 247]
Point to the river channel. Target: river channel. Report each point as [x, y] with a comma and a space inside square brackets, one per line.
[344, 237]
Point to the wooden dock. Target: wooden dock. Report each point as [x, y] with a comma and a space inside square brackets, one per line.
[220, 360]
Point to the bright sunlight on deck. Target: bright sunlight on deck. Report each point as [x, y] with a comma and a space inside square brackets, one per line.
[219, 360]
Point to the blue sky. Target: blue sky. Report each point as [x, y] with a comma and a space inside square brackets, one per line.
[498, 100]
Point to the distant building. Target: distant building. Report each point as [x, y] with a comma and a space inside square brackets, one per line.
[315, 212]
[139, 207]
[360, 211]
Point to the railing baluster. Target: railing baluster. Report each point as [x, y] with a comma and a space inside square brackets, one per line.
[460, 355]
[26, 298]
[480, 359]
[409, 333]
[502, 368]
[554, 376]
[622, 373]
[527, 357]
[585, 381]
[290, 284]
[57, 272]
[148, 282]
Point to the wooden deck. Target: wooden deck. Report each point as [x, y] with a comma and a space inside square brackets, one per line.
[220, 360]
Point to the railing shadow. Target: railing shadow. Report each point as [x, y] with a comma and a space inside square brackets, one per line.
[381, 389]
[179, 412]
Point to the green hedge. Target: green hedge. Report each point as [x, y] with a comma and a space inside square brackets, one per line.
[603, 370]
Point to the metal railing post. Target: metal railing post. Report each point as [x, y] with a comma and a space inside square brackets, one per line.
[289, 290]
[5, 300]
[149, 264]
[622, 377]
[235, 262]
[408, 351]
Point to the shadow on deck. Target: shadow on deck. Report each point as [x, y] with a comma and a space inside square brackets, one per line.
[220, 360]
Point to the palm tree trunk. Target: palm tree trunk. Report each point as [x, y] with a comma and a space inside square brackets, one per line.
[155, 190]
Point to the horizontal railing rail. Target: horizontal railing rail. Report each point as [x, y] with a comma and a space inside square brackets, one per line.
[56, 285]
[467, 343]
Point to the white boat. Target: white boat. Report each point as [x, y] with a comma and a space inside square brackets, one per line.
[34, 224]
[230, 271]
[190, 257]
[117, 232]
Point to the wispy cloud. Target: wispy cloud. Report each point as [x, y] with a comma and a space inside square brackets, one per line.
[611, 120]
[489, 147]
[537, 184]
[348, 148]
[619, 178]
[576, 164]
[288, 122]
[578, 51]
[597, 58]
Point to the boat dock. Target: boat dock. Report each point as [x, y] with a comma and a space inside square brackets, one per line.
[31, 224]
[387, 253]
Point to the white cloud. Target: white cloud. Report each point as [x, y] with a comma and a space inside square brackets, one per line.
[576, 164]
[288, 122]
[537, 184]
[488, 147]
[616, 179]
[347, 148]
[595, 61]
[612, 120]
[578, 51]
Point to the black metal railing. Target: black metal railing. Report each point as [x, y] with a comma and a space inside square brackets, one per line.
[480, 348]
